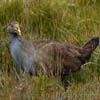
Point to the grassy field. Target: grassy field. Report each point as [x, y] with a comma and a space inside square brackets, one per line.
[74, 21]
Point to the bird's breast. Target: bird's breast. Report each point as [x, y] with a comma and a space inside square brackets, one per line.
[15, 49]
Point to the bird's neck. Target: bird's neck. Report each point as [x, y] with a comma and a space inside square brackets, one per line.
[13, 36]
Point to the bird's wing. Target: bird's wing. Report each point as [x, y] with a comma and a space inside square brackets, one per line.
[66, 54]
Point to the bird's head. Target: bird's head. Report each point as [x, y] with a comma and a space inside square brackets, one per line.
[13, 28]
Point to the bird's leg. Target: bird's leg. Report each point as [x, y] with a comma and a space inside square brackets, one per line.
[64, 81]
[33, 71]
[63, 78]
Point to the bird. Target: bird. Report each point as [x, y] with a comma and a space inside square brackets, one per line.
[52, 57]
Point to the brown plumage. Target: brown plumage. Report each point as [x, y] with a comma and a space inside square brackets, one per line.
[54, 58]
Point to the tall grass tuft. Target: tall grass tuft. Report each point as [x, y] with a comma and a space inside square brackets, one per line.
[73, 21]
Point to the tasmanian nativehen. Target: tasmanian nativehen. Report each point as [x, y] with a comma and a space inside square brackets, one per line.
[53, 58]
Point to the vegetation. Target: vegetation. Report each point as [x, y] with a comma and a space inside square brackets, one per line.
[60, 20]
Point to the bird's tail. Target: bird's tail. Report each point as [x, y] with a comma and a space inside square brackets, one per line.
[91, 44]
[89, 47]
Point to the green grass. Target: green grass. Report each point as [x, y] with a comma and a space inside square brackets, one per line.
[57, 20]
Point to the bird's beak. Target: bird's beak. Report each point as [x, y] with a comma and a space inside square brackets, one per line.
[17, 29]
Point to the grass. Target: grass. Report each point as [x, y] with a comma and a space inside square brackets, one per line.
[75, 22]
